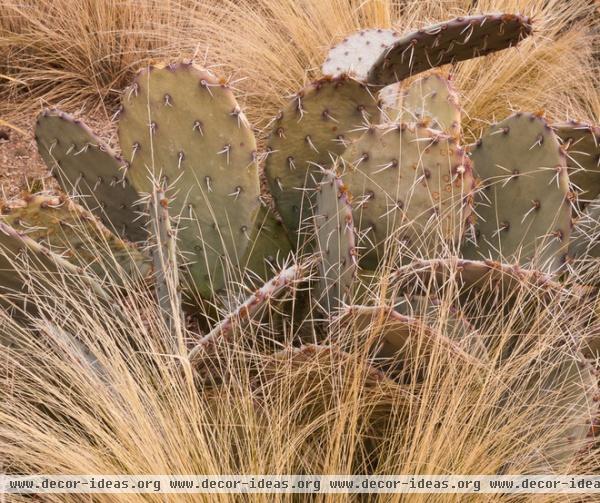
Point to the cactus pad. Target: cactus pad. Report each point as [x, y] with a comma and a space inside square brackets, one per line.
[357, 52]
[582, 144]
[42, 271]
[398, 336]
[166, 271]
[69, 230]
[434, 313]
[311, 129]
[183, 125]
[335, 240]
[484, 292]
[410, 182]
[525, 212]
[434, 100]
[471, 277]
[568, 386]
[448, 42]
[83, 164]
[390, 102]
[585, 238]
[283, 282]
[268, 246]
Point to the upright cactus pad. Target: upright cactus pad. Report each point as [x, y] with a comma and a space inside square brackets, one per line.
[398, 336]
[448, 42]
[433, 100]
[525, 209]
[165, 260]
[83, 164]
[569, 387]
[484, 291]
[335, 242]
[390, 98]
[315, 126]
[409, 184]
[27, 267]
[181, 124]
[284, 281]
[470, 275]
[269, 245]
[69, 230]
[434, 313]
[585, 238]
[582, 144]
[356, 54]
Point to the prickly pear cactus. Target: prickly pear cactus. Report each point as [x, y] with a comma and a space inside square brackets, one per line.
[166, 269]
[269, 245]
[182, 124]
[83, 164]
[525, 208]
[470, 275]
[411, 187]
[585, 238]
[283, 282]
[315, 126]
[569, 386]
[69, 230]
[335, 243]
[390, 98]
[448, 42]
[582, 144]
[28, 269]
[434, 100]
[357, 52]
[399, 337]
[485, 292]
[438, 314]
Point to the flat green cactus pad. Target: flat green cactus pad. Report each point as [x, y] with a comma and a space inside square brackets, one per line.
[411, 188]
[181, 124]
[568, 386]
[436, 314]
[314, 127]
[448, 42]
[399, 336]
[470, 276]
[434, 100]
[390, 98]
[486, 292]
[269, 245]
[585, 238]
[357, 52]
[83, 164]
[29, 270]
[582, 144]
[525, 209]
[335, 242]
[69, 230]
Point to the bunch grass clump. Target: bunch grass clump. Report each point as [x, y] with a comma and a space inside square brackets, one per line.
[128, 403]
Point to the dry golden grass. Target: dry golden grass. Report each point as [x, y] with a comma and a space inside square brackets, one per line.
[136, 411]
